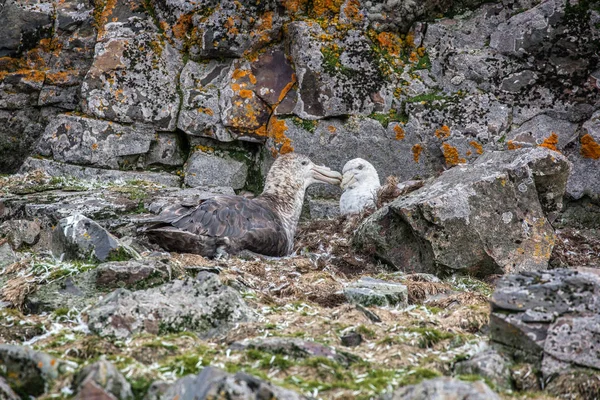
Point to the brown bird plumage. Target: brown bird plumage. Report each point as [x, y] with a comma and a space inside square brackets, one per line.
[265, 224]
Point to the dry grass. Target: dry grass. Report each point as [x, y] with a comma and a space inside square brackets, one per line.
[16, 289]
[575, 248]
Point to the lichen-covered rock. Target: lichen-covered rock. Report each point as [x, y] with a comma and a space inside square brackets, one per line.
[549, 316]
[214, 29]
[205, 169]
[485, 218]
[133, 274]
[539, 129]
[100, 175]
[165, 150]
[23, 25]
[376, 292]
[19, 130]
[201, 111]
[7, 255]
[202, 305]
[444, 388]
[86, 141]
[390, 15]
[78, 237]
[71, 292]
[490, 364]
[133, 78]
[28, 372]
[20, 232]
[584, 180]
[212, 382]
[335, 78]
[101, 380]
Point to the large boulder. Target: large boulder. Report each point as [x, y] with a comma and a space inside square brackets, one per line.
[28, 372]
[444, 388]
[101, 380]
[585, 180]
[202, 305]
[550, 318]
[212, 382]
[485, 218]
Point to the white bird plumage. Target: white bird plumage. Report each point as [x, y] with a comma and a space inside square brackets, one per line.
[360, 183]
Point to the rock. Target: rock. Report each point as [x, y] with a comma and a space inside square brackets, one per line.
[444, 388]
[99, 175]
[6, 393]
[78, 237]
[133, 274]
[323, 208]
[202, 305]
[71, 292]
[133, 77]
[19, 130]
[213, 382]
[485, 218]
[549, 316]
[166, 150]
[21, 232]
[200, 111]
[28, 372]
[335, 79]
[525, 378]
[7, 255]
[586, 158]
[294, 347]
[376, 292]
[87, 141]
[389, 15]
[489, 364]
[204, 169]
[352, 339]
[539, 128]
[22, 27]
[103, 381]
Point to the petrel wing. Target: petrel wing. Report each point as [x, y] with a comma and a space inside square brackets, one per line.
[232, 221]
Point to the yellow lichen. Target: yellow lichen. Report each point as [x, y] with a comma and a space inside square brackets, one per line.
[182, 26]
[390, 42]
[416, 150]
[478, 147]
[451, 155]
[352, 10]
[400, 134]
[321, 7]
[589, 147]
[550, 142]
[442, 132]
[512, 146]
[246, 94]
[331, 129]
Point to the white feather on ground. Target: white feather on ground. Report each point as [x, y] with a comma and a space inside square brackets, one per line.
[360, 184]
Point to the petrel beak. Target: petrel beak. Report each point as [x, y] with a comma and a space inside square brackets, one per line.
[347, 180]
[324, 174]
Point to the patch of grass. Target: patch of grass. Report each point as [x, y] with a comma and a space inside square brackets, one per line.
[392, 116]
[119, 254]
[306, 124]
[418, 375]
[427, 97]
[268, 360]
[139, 386]
[469, 284]
[429, 337]
[191, 362]
[366, 332]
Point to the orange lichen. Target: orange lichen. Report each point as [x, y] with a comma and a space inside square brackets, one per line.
[204, 149]
[589, 147]
[206, 111]
[101, 15]
[239, 73]
[550, 142]
[252, 78]
[293, 6]
[352, 10]
[390, 42]
[413, 57]
[416, 150]
[276, 130]
[512, 146]
[230, 26]
[95, 146]
[236, 86]
[443, 132]
[451, 155]
[400, 134]
[421, 51]
[60, 77]
[182, 25]
[478, 147]
[331, 129]
[321, 7]
[246, 94]
[286, 89]
[410, 40]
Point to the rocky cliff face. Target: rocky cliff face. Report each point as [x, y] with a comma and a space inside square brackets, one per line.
[414, 88]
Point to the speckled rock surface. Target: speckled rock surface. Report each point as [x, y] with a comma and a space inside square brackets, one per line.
[444, 388]
[102, 380]
[205, 169]
[486, 218]
[369, 292]
[202, 305]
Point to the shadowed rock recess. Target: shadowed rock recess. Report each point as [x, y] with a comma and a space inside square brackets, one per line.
[477, 276]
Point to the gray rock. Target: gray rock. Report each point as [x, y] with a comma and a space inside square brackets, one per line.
[202, 305]
[489, 364]
[22, 26]
[101, 380]
[58, 169]
[87, 141]
[7, 255]
[575, 340]
[213, 382]
[19, 130]
[539, 128]
[204, 169]
[294, 347]
[28, 372]
[78, 237]
[390, 15]
[165, 149]
[133, 77]
[444, 388]
[486, 218]
[200, 111]
[323, 208]
[584, 180]
[376, 292]
[71, 292]
[21, 232]
[6, 393]
[133, 274]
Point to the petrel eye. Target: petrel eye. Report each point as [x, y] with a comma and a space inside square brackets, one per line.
[361, 166]
[304, 162]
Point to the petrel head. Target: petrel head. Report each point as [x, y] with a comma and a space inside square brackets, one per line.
[358, 172]
[299, 171]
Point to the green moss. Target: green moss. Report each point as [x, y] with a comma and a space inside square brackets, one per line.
[306, 124]
[119, 254]
[366, 332]
[418, 375]
[60, 312]
[392, 116]
[331, 61]
[190, 362]
[423, 63]
[427, 97]
[139, 387]
[429, 337]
